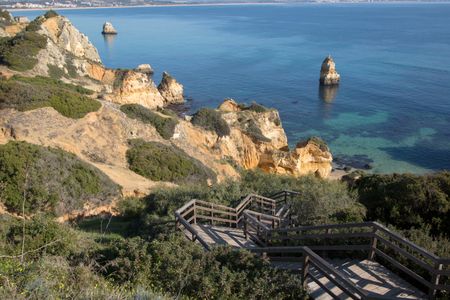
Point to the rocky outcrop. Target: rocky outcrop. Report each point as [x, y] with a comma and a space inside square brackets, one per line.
[101, 139]
[71, 55]
[144, 68]
[170, 89]
[257, 140]
[108, 28]
[130, 86]
[328, 74]
[64, 35]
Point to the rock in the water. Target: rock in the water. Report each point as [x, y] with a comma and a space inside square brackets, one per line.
[170, 89]
[108, 28]
[144, 68]
[328, 74]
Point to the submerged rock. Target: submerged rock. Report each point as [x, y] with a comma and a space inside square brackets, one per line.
[170, 89]
[328, 74]
[108, 28]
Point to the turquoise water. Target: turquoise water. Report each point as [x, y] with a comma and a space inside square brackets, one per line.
[393, 104]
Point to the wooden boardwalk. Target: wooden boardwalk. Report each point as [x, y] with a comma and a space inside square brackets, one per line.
[216, 235]
[262, 226]
[372, 277]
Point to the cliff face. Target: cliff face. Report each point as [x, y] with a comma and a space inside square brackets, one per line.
[101, 138]
[70, 56]
[257, 140]
[65, 36]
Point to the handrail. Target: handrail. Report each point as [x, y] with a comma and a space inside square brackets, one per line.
[379, 235]
[324, 267]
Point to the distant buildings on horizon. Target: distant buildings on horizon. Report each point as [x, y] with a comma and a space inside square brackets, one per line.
[42, 4]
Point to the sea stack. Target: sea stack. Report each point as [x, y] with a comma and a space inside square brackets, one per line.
[328, 74]
[108, 28]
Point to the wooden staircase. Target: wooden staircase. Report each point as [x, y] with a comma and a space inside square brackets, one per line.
[335, 261]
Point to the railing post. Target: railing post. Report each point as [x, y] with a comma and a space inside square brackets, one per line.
[305, 271]
[195, 213]
[177, 223]
[373, 245]
[245, 227]
[435, 280]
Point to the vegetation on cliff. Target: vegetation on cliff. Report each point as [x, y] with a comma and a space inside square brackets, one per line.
[160, 162]
[41, 179]
[408, 201]
[211, 120]
[19, 52]
[27, 93]
[164, 125]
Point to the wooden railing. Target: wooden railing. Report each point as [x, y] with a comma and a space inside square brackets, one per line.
[311, 260]
[420, 265]
[257, 216]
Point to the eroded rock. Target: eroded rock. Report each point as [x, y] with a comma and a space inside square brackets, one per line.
[328, 74]
[170, 89]
[108, 28]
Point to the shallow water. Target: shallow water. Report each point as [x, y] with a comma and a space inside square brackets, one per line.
[392, 106]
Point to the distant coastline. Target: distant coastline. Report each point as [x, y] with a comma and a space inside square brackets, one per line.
[222, 4]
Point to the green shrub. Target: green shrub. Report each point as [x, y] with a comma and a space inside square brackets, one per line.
[50, 14]
[24, 93]
[165, 163]
[253, 131]
[258, 108]
[407, 201]
[211, 120]
[55, 72]
[184, 268]
[164, 125]
[49, 179]
[19, 52]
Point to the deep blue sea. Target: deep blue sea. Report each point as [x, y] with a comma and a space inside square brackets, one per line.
[392, 106]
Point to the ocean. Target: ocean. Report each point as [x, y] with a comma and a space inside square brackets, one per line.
[391, 110]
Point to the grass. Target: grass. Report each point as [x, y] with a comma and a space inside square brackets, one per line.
[159, 162]
[28, 93]
[164, 125]
[52, 180]
[211, 120]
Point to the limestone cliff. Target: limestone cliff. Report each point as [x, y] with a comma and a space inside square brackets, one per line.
[170, 89]
[71, 57]
[257, 140]
[101, 138]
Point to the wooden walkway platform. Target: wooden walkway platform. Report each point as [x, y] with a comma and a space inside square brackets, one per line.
[372, 277]
[263, 226]
[216, 235]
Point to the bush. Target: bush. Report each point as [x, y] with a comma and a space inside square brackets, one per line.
[50, 14]
[258, 108]
[19, 52]
[407, 201]
[211, 120]
[254, 132]
[24, 93]
[184, 268]
[164, 125]
[165, 163]
[51, 180]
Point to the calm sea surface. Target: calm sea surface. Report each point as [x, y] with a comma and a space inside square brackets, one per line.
[392, 107]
